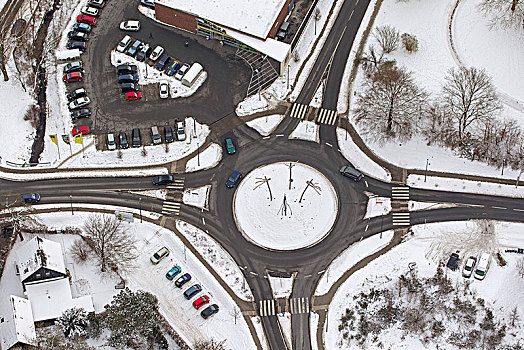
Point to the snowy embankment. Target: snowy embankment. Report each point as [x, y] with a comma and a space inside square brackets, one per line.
[206, 159]
[265, 125]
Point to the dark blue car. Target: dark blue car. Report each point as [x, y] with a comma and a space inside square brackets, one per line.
[162, 62]
[82, 27]
[234, 179]
[182, 280]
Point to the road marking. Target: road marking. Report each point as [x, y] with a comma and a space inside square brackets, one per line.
[319, 272]
[367, 226]
[253, 273]
[330, 145]
[204, 220]
[267, 307]
[307, 276]
[366, 182]
[327, 116]
[400, 193]
[475, 205]
[494, 207]
[280, 135]
[266, 137]
[299, 305]
[518, 209]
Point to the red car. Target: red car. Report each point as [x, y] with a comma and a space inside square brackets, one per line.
[81, 129]
[87, 19]
[203, 300]
[133, 95]
[72, 77]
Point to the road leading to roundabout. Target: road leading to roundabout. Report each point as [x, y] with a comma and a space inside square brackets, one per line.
[288, 224]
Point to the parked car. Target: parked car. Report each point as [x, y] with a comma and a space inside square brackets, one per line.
[81, 113]
[351, 172]
[123, 44]
[209, 311]
[453, 261]
[164, 89]
[73, 67]
[135, 137]
[203, 300]
[73, 76]
[155, 135]
[192, 291]
[180, 131]
[134, 48]
[111, 143]
[122, 140]
[159, 255]
[73, 95]
[79, 103]
[82, 27]
[181, 71]
[80, 130]
[175, 270]
[96, 3]
[163, 179]
[78, 36]
[80, 45]
[157, 52]
[128, 87]
[30, 198]
[90, 11]
[168, 134]
[128, 78]
[142, 54]
[148, 3]
[133, 95]
[87, 19]
[126, 68]
[234, 179]
[162, 62]
[182, 280]
[482, 266]
[469, 266]
[130, 25]
[230, 147]
[171, 70]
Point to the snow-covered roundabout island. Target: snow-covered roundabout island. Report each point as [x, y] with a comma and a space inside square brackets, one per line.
[286, 222]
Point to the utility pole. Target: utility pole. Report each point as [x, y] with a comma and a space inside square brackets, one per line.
[71, 200]
[290, 166]
[426, 172]
[140, 207]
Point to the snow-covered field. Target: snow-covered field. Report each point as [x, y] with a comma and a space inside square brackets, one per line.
[431, 244]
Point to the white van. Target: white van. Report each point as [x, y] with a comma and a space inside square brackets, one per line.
[192, 74]
[122, 46]
[482, 266]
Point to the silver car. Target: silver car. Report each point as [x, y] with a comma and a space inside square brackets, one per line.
[159, 255]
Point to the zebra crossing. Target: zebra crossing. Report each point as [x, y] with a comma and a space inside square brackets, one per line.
[267, 307]
[326, 116]
[401, 219]
[400, 193]
[299, 111]
[170, 206]
[299, 305]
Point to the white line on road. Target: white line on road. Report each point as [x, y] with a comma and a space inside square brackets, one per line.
[280, 135]
[366, 183]
[307, 276]
[330, 145]
[204, 220]
[494, 207]
[367, 226]
[476, 205]
[319, 272]
[253, 273]
[266, 137]
[518, 209]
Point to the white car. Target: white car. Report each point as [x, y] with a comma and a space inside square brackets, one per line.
[180, 131]
[90, 11]
[79, 102]
[130, 25]
[157, 52]
[111, 144]
[469, 266]
[164, 89]
[181, 71]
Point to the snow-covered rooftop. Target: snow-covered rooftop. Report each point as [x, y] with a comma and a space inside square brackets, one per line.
[40, 252]
[275, 49]
[248, 16]
[18, 327]
[50, 299]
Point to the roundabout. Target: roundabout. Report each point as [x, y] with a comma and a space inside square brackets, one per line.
[278, 214]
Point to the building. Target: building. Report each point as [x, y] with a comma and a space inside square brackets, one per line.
[17, 327]
[250, 25]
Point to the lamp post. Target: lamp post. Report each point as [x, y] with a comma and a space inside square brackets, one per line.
[426, 172]
[198, 154]
[140, 207]
[71, 200]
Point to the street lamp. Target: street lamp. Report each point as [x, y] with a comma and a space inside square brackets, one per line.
[140, 207]
[426, 172]
[71, 200]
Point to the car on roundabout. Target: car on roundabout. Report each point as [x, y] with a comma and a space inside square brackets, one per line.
[352, 173]
[230, 147]
[234, 179]
[175, 270]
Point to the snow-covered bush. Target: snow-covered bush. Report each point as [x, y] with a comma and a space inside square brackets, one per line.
[73, 322]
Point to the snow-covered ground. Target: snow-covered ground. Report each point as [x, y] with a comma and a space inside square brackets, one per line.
[281, 287]
[264, 219]
[427, 247]
[207, 158]
[265, 125]
[378, 206]
[196, 197]
[306, 130]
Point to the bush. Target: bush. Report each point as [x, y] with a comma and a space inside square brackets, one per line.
[410, 42]
[80, 250]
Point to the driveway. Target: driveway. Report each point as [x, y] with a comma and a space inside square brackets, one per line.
[225, 86]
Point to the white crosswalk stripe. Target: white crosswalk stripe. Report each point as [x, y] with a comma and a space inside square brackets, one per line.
[327, 116]
[401, 219]
[299, 111]
[299, 305]
[400, 193]
[267, 307]
[170, 208]
[178, 184]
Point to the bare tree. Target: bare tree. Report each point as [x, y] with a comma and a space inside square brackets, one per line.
[80, 250]
[371, 59]
[387, 37]
[410, 42]
[514, 316]
[504, 13]
[210, 345]
[109, 241]
[236, 313]
[20, 218]
[520, 267]
[391, 103]
[469, 97]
